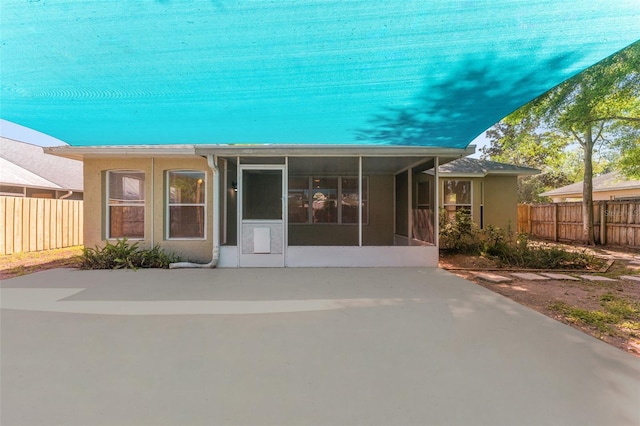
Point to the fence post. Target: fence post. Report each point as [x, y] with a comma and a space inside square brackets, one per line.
[603, 222]
[555, 222]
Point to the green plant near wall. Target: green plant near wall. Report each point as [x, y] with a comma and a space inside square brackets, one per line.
[122, 254]
[462, 235]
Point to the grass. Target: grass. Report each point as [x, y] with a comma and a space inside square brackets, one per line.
[618, 316]
[18, 264]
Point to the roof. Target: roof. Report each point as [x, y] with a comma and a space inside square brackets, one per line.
[606, 182]
[473, 167]
[428, 73]
[24, 164]
[12, 174]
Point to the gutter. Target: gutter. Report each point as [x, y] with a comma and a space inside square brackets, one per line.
[212, 161]
[67, 195]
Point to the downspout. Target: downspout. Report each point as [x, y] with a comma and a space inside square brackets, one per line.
[215, 255]
[67, 195]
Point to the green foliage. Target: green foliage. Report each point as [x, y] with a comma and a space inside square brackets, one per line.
[124, 255]
[617, 315]
[461, 235]
[628, 144]
[595, 108]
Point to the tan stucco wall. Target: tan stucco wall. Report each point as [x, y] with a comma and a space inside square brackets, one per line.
[500, 199]
[155, 214]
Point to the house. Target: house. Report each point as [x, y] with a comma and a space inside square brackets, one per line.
[487, 189]
[26, 171]
[289, 206]
[267, 206]
[609, 186]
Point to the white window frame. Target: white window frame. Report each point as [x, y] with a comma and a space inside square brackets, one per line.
[365, 196]
[444, 196]
[168, 205]
[137, 204]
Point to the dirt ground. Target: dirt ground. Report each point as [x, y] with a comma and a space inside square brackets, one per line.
[577, 303]
[580, 304]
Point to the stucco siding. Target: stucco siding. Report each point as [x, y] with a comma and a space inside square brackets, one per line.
[501, 201]
[95, 231]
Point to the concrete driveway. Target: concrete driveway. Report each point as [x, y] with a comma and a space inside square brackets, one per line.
[295, 347]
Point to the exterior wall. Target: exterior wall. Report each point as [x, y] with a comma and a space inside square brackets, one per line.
[500, 199]
[155, 206]
[41, 193]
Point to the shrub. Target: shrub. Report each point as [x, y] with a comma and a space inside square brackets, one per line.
[461, 235]
[122, 254]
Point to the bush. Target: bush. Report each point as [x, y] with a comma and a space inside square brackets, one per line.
[461, 235]
[124, 255]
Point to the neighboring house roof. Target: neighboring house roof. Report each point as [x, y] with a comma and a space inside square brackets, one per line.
[473, 167]
[607, 182]
[12, 174]
[24, 164]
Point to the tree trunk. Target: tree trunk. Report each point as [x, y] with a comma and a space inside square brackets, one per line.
[587, 190]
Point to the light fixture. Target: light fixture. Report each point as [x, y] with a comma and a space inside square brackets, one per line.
[234, 185]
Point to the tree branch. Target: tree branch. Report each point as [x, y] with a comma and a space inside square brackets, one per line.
[575, 135]
[599, 132]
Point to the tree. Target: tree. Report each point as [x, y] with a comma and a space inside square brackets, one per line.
[524, 144]
[592, 107]
[628, 145]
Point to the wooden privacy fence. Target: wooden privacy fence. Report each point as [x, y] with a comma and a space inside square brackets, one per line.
[563, 222]
[34, 224]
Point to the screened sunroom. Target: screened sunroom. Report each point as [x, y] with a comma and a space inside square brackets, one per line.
[329, 207]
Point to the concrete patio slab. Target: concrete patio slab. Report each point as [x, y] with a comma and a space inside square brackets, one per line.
[596, 278]
[492, 278]
[529, 276]
[383, 346]
[557, 276]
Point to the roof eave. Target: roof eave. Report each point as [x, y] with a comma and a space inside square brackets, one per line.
[82, 152]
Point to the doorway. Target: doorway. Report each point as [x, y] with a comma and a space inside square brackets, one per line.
[261, 215]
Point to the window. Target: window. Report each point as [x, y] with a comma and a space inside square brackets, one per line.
[186, 204]
[423, 195]
[316, 200]
[125, 204]
[457, 196]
